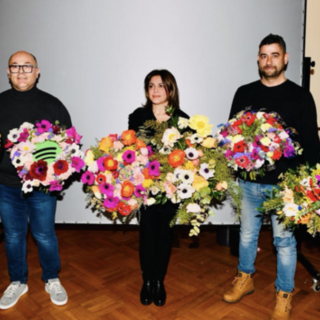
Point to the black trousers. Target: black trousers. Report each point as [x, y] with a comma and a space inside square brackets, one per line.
[156, 240]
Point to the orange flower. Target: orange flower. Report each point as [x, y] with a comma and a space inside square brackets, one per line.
[105, 144]
[140, 144]
[128, 137]
[127, 189]
[304, 219]
[145, 173]
[110, 164]
[123, 209]
[176, 158]
[188, 142]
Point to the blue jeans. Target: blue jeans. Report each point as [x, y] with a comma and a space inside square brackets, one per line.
[15, 210]
[253, 195]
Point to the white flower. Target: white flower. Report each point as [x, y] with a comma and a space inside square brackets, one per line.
[291, 209]
[182, 123]
[196, 138]
[205, 171]
[26, 147]
[185, 191]
[170, 177]
[177, 172]
[237, 138]
[27, 125]
[283, 135]
[154, 190]
[150, 201]
[187, 176]
[175, 198]
[17, 161]
[193, 207]
[305, 182]
[191, 153]
[27, 186]
[74, 151]
[258, 164]
[170, 136]
[14, 135]
[93, 167]
[260, 115]
[165, 150]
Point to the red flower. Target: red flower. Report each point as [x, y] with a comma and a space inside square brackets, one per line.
[61, 166]
[38, 170]
[277, 154]
[239, 146]
[8, 144]
[248, 118]
[113, 137]
[123, 209]
[115, 174]
[101, 178]
[110, 164]
[242, 161]
[264, 148]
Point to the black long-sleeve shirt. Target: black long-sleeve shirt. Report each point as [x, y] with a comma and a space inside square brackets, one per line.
[297, 109]
[17, 107]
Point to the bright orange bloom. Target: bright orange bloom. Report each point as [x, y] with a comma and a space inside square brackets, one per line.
[140, 144]
[128, 137]
[188, 142]
[304, 219]
[145, 173]
[176, 158]
[127, 189]
[105, 144]
[123, 209]
[110, 164]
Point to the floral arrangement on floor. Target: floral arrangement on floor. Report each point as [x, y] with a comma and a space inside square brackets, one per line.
[120, 171]
[252, 141]
[193, 171]
[44, 154]
[297, 198]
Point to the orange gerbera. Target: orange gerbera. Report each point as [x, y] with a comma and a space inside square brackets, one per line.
[176, 158]
[127, 189]
[128, 137]
[110, 164]
[105, 144]
[140, 144]
[123, 209]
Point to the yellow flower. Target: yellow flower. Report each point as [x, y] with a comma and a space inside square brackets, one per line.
[105, 144]
[237, 138]
[266, 126]
[265, 141]
[199, 182]
[89, 158]
[189, 165]
[210, 142]
[201, 125]
[147, 183]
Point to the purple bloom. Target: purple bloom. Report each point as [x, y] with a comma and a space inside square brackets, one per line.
[150, 152]
[77, 163]
[107, 189]
[72, 133]
[88, 178]
[154, 168]
[140, 191]
[111, 202]
[254, 155]
[129, 156]
[24, 135]
[43, 126]
[229, 154]
[289, 152]
[257, 142]
[55, 186]
[224, 133]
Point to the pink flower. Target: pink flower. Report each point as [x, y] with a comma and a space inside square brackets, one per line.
[169, 188]
[138, 177]
[117, 145]
[129, 156]
[139, 191]
[55, 186]
[88, 178]
[43, 126]
[77, 163]
[72, 133]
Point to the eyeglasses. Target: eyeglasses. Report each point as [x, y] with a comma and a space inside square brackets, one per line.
[26, 68]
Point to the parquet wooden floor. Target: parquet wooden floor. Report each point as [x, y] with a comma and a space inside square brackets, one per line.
[100, 271]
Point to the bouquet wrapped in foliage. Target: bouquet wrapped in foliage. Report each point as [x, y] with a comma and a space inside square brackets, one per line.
[254, 140]
[44, 155]
[120, 171]
[193, 172]
[297, 198]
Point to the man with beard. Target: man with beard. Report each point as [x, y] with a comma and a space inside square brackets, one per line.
[24, 102]
[273, 93]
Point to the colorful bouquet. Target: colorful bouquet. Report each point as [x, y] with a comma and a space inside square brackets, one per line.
[120, 173]
[297, 198]
[44, 155]
[253, 141]
[193, 172]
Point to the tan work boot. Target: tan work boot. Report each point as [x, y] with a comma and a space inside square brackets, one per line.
[241, 285]
[283, 307]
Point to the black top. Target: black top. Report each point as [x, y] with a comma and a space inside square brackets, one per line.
[17, 107]
[297, 109]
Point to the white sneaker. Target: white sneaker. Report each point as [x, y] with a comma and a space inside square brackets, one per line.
[57, 292]
[12, 294]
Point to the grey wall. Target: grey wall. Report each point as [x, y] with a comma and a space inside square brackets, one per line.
[94, 55]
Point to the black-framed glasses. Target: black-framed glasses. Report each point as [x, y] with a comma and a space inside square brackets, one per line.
[26, 68]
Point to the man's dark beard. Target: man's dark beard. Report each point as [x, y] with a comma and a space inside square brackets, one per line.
[275, 74]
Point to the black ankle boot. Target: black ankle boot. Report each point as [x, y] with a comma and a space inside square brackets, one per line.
[160, 295]
[146, 294]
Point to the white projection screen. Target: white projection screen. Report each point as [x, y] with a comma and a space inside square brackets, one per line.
[94, 55]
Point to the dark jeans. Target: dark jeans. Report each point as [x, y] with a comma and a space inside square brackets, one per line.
[156, 240]
[39, 208]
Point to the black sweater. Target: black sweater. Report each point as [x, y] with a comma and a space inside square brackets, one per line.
[29, 106]
[297, 109]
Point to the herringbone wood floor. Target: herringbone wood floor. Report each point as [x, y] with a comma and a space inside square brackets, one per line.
[100, 271]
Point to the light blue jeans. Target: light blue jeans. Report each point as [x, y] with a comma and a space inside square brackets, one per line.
[253, 195]
[39, 208]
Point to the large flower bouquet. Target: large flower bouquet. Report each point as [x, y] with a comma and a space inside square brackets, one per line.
[297, 198]
[252, 142]
[193, 172]
[120, 171]
[44, 154]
